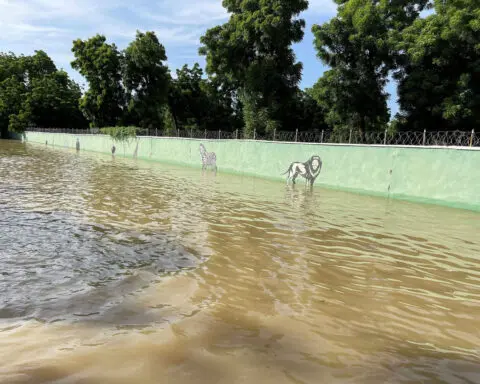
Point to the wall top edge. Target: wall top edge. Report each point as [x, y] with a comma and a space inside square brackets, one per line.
[464, 148]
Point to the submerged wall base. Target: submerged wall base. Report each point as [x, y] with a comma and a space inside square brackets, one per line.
[441, 175]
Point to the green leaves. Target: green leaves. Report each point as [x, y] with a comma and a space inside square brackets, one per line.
[198, 103]
[439, 85]
[253, 52]
[100, 64]
[33, 91]
[253, 75]
[120, 134]
[146, 80]
[360, 44]
[129, 86]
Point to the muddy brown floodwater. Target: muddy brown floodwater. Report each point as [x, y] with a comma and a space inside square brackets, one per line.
[122, 271]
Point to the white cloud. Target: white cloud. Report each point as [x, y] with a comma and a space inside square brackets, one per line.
[322, 7]
[188, 12]
[52, 25]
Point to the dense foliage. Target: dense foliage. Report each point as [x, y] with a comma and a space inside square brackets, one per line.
[253, 52]
[439, 79]
[33, 91]
[252, 77]
[120, 133]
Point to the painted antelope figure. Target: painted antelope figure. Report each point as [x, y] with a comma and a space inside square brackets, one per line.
[309, 170]
[208, 158]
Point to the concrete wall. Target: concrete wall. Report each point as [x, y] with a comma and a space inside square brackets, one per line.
[447, 176]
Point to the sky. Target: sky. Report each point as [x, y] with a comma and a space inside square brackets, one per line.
[52, 25]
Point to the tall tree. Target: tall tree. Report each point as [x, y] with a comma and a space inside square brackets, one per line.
[12, 89]
[305, 113]
[100, 63]
[439, 80]
[34, 92]
[253, 52]
[146, 79]
[348, 103]
[54, 102]
[357, 44]
[187, 98]
[199, 103]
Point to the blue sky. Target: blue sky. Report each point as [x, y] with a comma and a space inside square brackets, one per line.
[52, 25]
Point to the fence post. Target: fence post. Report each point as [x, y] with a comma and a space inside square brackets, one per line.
[156, 131]
[178, 132]
[321, 137]
[236, 134]
[296, 134]
[274, 133]
[205, 133]
[219, 134]
[471, 137]
[385, 138]
[424, 136]
[191, 133]
[350, 136]
[254, 133]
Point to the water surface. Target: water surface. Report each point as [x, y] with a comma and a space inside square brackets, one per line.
[122, 271]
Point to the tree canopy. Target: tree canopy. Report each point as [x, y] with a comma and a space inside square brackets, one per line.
[253, 52]
[251, 79]
[439, 80]
[34, 92]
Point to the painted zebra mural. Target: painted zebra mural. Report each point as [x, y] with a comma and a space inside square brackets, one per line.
[208, 158]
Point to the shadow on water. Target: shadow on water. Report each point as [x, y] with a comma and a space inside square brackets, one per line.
[60, 268]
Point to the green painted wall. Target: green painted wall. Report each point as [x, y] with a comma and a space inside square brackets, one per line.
[447, 176]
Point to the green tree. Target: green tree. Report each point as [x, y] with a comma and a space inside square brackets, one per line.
[100, 63]
[12, 89]
[146, 79]
[253, 52]
[348, 103]
[188, 101]
[439, 80]
[223, 111]
[33, 92]
[199, 103]
[305, 113]
[54, 102]
[38, 65]
[359, 45]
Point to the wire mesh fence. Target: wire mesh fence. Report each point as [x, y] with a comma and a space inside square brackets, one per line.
[413, 138]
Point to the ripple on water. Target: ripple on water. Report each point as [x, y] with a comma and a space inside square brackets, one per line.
[54, 265]
[299, 286]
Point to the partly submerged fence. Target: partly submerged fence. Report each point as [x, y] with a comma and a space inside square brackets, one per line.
[419, 138]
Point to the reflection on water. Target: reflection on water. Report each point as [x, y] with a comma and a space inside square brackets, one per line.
[121, 271]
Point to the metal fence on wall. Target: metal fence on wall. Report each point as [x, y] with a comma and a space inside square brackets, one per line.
[419, 138]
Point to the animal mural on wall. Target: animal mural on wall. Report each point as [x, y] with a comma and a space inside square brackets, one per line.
[309, 170]
[208, 158]
[135, 152]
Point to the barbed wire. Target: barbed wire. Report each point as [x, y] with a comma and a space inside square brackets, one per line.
[413, 138]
